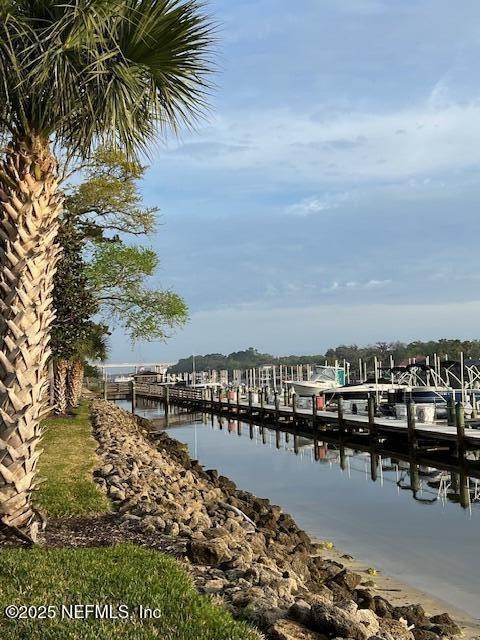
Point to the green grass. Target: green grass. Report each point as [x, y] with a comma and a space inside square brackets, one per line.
[123, 574]
[66, 465]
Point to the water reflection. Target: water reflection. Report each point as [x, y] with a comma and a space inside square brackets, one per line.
[360, 499]
[427, 484]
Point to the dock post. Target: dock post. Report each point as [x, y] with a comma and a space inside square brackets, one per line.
[134, 395]
[314, 412]
[250, 401]
[229, 400]
[373, 465]
[474, 414]
[167, 397]
[294, 405]
[340, 409]
[262, 399]
[277, 404]
[343, 456]
[464, 489]
[238, 400]
[460, 424]
[295, 444]
[412, 446]
[412, 436]
[371, 417]
[451, 412]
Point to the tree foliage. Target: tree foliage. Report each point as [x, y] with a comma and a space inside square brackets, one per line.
[107, 199]
[74, 302]
[117, 274]
[90, 71]
[400, 351]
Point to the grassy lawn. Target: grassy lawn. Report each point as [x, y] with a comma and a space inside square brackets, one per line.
[66, 466]
[124, 574]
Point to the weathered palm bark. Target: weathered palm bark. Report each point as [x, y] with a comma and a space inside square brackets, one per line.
[60, 386]
[29, 207]
[74, 383]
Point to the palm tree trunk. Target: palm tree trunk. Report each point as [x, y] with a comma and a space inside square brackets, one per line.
[74, 383]
[29, 207]
[60, 386]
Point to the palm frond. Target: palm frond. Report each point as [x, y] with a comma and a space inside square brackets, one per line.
[98, 71]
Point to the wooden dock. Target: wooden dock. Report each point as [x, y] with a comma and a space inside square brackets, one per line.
[453, 449]
[277, 414]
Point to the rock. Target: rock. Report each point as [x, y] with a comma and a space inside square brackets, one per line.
[226, 484]
[369, 619]
[332, 621]
[173, 530]
[446, 630]
[413, 614]
[364, 599]
[289, 630]
[300, 611]
[264, 617]
[322, 595]
[423, 634]
[214, 586]
[216, 532]
[211, 552]
[243, 598]
[348, 605]
[383, 608]
[347, 579]
[397, 629]
[446, 625]
[116, 493]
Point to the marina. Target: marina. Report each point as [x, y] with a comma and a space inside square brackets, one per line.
[408, 532]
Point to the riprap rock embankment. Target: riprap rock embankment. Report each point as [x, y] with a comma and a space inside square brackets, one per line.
[241, 548]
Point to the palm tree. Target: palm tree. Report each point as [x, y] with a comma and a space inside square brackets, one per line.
[73, 74]
[94, 347]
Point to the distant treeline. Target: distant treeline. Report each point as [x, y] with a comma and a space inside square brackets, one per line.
[400, 351]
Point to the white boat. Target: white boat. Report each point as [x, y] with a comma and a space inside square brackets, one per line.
[123, 379]
[323, 378]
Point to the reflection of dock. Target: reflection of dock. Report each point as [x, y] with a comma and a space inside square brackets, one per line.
[426, 485]
[452, 449]
[174, 420]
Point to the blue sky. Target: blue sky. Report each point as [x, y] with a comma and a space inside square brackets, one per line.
[333, 193]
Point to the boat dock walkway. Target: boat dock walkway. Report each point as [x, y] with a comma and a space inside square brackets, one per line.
[461, 435]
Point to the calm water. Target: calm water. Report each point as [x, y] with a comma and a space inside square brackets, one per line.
[431, 545]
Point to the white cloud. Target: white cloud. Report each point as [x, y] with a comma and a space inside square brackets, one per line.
[371, 284]
[296, 148]
[308, 206]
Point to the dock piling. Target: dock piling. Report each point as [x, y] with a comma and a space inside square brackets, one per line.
[371, 417]
[134, 397]
[460, 425]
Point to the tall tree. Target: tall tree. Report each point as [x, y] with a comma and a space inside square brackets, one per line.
[74, 305]
[94, 347]
[74, 73]
[119, 276]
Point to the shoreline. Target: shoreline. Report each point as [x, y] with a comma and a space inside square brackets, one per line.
[400, 593]
[244, 550]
